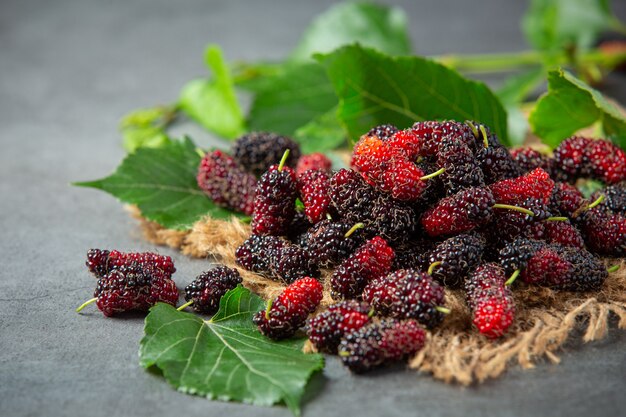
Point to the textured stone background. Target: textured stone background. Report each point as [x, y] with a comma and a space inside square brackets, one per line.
[69, 69]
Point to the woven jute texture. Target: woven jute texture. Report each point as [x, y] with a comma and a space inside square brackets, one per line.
[455, 352]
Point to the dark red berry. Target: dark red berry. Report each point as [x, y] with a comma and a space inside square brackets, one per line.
[407, 293]
[327, 243]
[313, 186]
[257, 151]
[561, 232]
[383, 131]
[607, 161]
[528, 159]
[326, 329]
[604, 231]
[614, 197]
[275, 201]
[371, 260]
[226, 182]
[430, 134]
[209, 287]
[315, 160]
[536, 184]
[101, 262]
[491, 301]
[461, 167]
[459, 213]
[289, 311]
[497, 164]
[134, 286]
[566, 199]
[456, 257]
[381, 342]
[571, 158]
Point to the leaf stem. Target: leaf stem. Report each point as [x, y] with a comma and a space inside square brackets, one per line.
[509, 207]
[354, 228]
[184, 306]
[596, 203]
[86, 303]
[432, 267]
[432, 175]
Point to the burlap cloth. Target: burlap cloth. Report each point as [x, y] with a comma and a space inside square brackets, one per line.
[454, 352]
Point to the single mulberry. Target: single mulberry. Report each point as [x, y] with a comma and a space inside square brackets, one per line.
[381, 342]
[536, 184]
[371, 260]
[461, 170]
[490, 300]
[208, 288]
[316, 160]
[313, 186]
[289, 311]
[452, 259]
[328, 242]
[101, 262]
[275, 201]
[604, 231]
[327, 328]
[226, 182]
[431, 133]
[257, 151]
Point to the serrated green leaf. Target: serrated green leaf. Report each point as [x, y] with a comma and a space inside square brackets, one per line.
[375, 88]
[321, 134]
[226, 357]
[213, 103]
[162, 183]
[554, 25]
[377, 26]
[291, 98]
[570, 105]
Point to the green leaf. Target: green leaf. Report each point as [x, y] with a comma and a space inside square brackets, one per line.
[570, 105]
[226, 357]
[162, 183]
[291, 98]
[321, 134]
[374, 88]
[512, 93]
[213, 103]
[381, 27]
[553, 25]
[146, 127]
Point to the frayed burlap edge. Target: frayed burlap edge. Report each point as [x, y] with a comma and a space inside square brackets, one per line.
[454, 353]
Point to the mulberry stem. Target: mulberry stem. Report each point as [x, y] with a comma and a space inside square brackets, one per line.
[484, 133]
[557, 219]
[184, 306]
[612, 269]
[268, 308]
[434, 174]
[513, 277]
[354, 229]
[283, 160]
[432, 267]
[596, 203]
[443, 310]
[86, 303]
[509, 207]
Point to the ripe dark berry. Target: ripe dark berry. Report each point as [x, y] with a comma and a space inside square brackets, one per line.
[313, 186]
[430, 134]
[275, 258]
[456, 256]
[570, 157]
[536, 184]
[383, 131]
[561, 232]
[289, 311]
[459, 213]
[497, 163]
[381, 342]
[371, 260]
[257, 151]
[566, 199]
[461, 168]
[315, 160]
[357, 202]
[515, 255]
[275, 201]
[607, 161]
[133, 286]
[614, 197]
[407, 293]
[528, 159]
[604, 231]
[326, 329]
[327, 243]
[101, 262]
[491, 301]
[412, 254]
[208, 288]
[226, 182]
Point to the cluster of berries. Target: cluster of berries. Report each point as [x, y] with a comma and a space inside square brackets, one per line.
[137, 281]
[439, 205]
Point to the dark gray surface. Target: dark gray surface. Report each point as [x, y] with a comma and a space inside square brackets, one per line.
[68, 71]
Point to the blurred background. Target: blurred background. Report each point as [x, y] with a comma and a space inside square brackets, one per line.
[69, 70]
